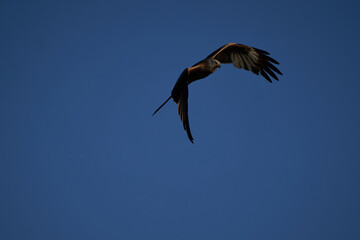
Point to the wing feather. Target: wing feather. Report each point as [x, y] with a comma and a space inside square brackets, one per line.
[247, 62]
[237, 60]
[271, 73]
[263, 73]
[248, 58]
[180, 95]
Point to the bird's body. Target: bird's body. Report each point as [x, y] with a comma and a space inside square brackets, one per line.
[202, 69]
[241, 56]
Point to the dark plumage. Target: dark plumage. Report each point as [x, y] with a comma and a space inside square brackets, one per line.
[241, 56]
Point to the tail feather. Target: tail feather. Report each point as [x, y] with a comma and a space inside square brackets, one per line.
[162, 105]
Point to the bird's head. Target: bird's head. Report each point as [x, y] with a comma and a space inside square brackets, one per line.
[214, 64]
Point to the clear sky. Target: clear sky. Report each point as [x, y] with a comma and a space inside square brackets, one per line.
[81, 157]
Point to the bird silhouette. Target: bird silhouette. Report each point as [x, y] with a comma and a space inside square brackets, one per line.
[241, 56]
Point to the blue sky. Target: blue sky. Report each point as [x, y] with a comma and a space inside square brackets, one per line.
[82, 157]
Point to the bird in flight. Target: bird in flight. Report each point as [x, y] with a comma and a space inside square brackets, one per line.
[241, 56]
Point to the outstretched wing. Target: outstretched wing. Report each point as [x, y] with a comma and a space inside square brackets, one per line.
[248, 58]
[180, 95]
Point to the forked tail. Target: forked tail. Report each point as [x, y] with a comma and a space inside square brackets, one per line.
[162, 105]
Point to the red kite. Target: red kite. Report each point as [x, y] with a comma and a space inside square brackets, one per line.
[241, 56]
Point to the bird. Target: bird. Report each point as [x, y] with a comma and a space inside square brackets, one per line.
[240, 55]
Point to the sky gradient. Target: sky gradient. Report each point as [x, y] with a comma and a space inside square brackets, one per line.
[81, 157]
